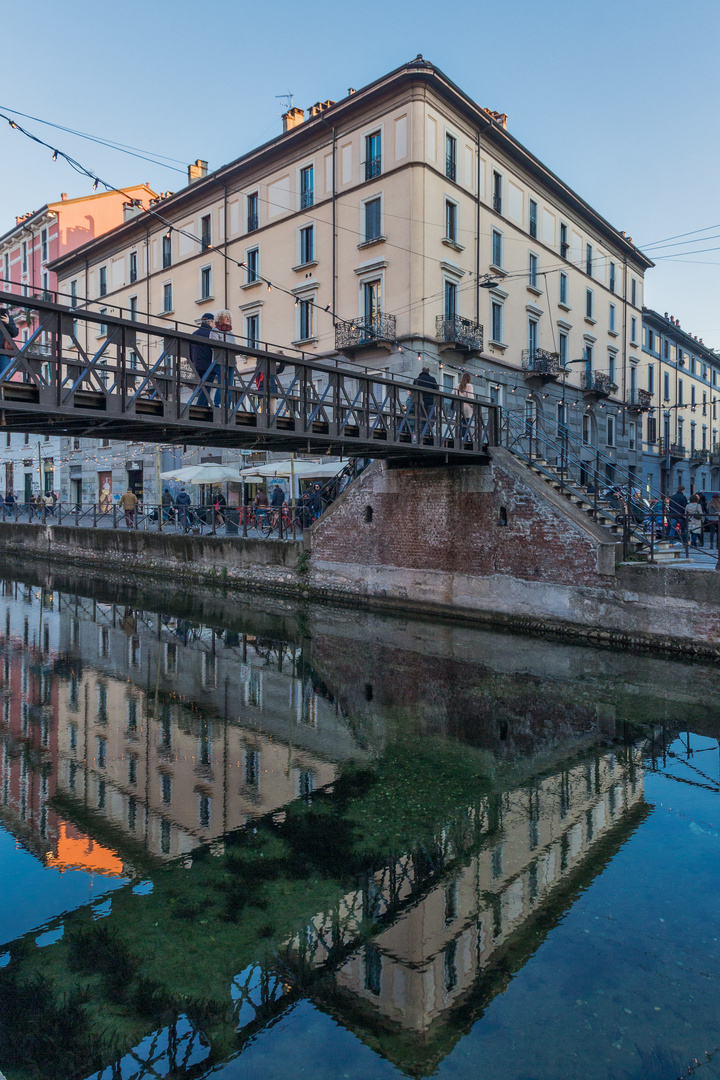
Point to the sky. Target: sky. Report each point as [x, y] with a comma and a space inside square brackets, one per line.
[619, 98]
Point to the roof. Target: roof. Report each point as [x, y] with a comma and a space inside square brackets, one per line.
[416, 70]
[671, 329]
[60, 203]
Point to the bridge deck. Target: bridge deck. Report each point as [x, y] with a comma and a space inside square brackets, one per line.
[90, 374]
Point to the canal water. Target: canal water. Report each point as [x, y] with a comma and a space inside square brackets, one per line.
[246, 840]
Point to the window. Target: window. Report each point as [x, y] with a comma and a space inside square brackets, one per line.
[651, 378]
[680, 359]
[680, 432]
[704, 438]
[532, 223]
[666, 349]
[101, 752]
[633, 292]
[373, 969]
[612, 277]
[589, 260]
[372, 300]
[666, 386]
[133, 267]
[102, 329]
[24, 257]
[589, 306]
[611, 320]
[373, 229]
[305, 314]
[680, 392]
[133, 308]
[204, 809]
[497, 322]
[307, 244]
[563, 349]
[450, 157]
[652, 430]
[450, 221]
[205, 232]
[167, 297]
[692, 396]
[497, 192]
[704, 409]
[132, 769]
[373, 155]
[532, 338]
[206, 283]
[532, 271]
[563, 289]
[73, 294]
[102, 278]
[561, 417]
[497, 249]
[307, 187]
[166, 251]
[43, 245]
[450, 299]
[252, 331]
[650, 340]
[564, 246]
[611, 431]
[611, 367]
[252, 211]
[252, 264]
[633, 382]
[6, 271]
[166, 784]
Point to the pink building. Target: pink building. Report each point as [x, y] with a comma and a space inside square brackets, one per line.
[55, 229]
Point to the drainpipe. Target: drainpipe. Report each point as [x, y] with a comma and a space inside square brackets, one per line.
[225, 232]
[477, 240]
[147, 269]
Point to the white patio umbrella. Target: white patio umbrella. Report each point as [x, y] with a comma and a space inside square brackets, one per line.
[204, 474]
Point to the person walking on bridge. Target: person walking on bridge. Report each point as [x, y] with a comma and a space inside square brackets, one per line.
[129, 502]
[201, 354]
[425, 379]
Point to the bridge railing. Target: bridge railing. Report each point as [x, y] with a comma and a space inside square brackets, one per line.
[84, 369]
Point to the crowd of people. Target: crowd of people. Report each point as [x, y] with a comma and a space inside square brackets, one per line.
[693, 517]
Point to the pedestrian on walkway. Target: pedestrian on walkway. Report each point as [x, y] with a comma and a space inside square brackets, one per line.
[428, 400]
[168, 505]
[49, 505]
[201, 354]
[223, 332]
[219, 504]
[128, 502]
[182, 501]
[260, 505]
[465, 389]
[713, 518]
[678, 515]
[695, 521]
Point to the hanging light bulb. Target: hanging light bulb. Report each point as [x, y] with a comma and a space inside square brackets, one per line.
[269, 288]
[55, 155]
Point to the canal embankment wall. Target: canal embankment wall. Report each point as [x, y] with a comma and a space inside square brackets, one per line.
[485, 543]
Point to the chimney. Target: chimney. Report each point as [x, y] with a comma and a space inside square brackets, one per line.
[292, 119]
[63, 196]
[501, 118]
[351, 91]
[197, 171]
[318, 107]
[132, 209]
[666, 315]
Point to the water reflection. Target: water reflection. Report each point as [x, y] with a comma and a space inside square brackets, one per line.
[388, 830]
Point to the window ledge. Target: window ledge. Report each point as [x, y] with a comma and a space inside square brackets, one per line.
[452, 244]
[635, 344]
[369, 243]
[304, 341]
[497, 271]
[498, 345]
[204, 299]
[590, 320]
[565, 307]
[534, 290]
[251, 284]
[305, 266]
[165, 314]
[613, 333]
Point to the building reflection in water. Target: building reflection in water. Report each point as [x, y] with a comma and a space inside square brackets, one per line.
[131, 738]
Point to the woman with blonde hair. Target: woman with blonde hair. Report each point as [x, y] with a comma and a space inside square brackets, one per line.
[465, 389]
[223, 332]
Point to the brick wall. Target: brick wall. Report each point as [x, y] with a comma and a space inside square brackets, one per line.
[449, 520]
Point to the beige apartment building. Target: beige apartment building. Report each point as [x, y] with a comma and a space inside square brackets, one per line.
[398, 226]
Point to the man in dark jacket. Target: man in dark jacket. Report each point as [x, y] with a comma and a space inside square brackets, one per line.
[201, 354]
[428, 400]
[678, 514]
[9, 328]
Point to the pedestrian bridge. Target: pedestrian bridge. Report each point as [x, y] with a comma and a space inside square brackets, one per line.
[86, 374]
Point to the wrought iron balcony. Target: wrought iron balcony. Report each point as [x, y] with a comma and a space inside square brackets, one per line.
[252, 222]
[676, 451]
[497, 203]
[640, 400]
[540, 362]
[458, 332]
[450, 167]
[373, 167]
[715, 456]
[700, 457]
[364, 333]
[307, 198]
[597, 383]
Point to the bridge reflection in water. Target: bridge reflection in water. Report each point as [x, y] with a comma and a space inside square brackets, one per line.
[280, 844]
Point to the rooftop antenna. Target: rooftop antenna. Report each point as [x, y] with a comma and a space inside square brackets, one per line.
[289, 98]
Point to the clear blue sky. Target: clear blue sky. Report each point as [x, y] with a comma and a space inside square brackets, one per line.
[620, 98]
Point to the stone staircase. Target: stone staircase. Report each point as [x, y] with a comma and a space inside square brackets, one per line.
[579, 495]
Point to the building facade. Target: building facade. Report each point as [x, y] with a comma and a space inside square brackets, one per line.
[682, 377]
[400, 226]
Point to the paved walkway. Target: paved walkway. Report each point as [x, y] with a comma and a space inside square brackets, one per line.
[197, 526]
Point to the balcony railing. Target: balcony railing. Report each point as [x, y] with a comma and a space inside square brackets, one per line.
[373, 167]
[715, 456]
[540, 362]
[307, 198]
[596, 382]
[497, 203]
[455, 330]
[702, 457]
[675, 450]
[450, 167]
[640, 400]
[252, 222]
[361, 333]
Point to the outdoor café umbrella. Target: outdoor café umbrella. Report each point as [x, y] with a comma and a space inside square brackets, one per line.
[204, 474]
